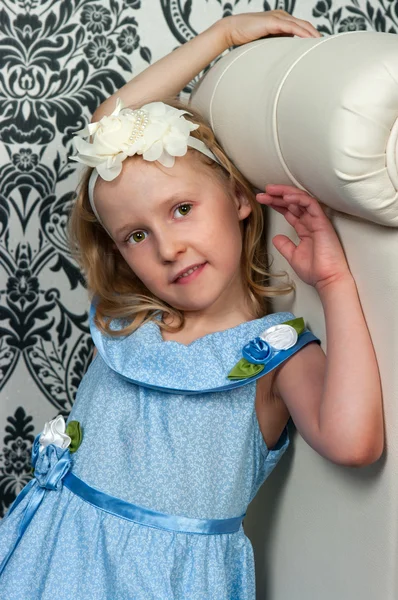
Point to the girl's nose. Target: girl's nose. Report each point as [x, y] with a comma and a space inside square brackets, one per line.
[170, 247]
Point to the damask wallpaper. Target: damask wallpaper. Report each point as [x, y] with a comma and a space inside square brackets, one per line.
[59, 59]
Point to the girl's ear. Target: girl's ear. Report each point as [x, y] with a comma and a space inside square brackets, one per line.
[242, 204]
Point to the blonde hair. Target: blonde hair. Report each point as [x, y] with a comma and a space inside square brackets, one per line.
[120, 294]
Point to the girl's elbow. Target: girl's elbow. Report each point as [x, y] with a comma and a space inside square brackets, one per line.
[363, 454]
[365, 459]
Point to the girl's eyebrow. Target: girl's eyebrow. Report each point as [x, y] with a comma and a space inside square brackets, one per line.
[178, 197]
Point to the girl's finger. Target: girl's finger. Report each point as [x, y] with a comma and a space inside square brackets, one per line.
[263, 198]
[302, 200]
[292, 219]
[306, 202]
[300, 228]
[279, 210]
[289, 27]
[270, 200]
[297, 211]
[305, 25]
[299, 223]
[280, 205]
[285, 246]
[273, 201]
[275, 189]
[294, 222]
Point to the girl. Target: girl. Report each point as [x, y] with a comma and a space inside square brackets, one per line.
[182, 414]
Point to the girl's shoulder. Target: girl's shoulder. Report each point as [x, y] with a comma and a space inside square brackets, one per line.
[205, 365]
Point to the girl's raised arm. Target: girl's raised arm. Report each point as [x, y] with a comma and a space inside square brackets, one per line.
[169, 75]
[335, 403]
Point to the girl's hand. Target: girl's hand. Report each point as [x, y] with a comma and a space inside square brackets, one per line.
[247, 27]
[318, 259]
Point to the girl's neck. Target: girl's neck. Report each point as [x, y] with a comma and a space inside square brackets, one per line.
[197, 325]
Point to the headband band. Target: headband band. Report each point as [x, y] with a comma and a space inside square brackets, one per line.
[156, 131]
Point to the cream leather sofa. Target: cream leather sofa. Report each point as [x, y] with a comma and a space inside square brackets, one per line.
[322, 114]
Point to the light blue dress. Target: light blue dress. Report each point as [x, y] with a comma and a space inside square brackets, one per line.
[164, 429]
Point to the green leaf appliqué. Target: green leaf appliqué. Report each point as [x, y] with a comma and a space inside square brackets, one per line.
[297, 324]
[243, 370]
[75, 433]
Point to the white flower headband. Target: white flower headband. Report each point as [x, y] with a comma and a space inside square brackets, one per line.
[156, 131]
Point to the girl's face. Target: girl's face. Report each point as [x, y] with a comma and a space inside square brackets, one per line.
[179, 231]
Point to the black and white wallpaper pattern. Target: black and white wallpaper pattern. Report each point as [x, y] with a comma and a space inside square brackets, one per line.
[59, 59]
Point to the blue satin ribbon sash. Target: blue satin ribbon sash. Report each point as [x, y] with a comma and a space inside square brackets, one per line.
[149, 518]
[59, 474]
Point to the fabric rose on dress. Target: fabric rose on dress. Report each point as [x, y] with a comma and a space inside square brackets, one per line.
[51, 463]
[54, 433]
[257, 351]
[52, 449]
[156, 131]
[280, 337]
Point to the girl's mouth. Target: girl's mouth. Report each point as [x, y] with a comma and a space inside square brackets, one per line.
[190, 274]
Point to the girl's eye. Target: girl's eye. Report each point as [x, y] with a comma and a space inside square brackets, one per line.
[182, 210]
[136, 237]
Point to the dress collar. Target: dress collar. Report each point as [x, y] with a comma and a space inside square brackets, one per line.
[144, 358]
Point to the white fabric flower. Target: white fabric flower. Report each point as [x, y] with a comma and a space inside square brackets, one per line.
[280, 337]
[156, 131]
[54, 433]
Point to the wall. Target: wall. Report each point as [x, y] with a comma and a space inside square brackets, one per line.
[58, 61]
